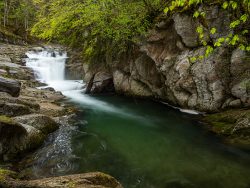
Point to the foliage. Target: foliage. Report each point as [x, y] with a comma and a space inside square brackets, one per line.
[239, 35]
[17, 14]
[89, 24]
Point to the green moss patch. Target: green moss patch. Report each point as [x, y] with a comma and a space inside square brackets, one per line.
[7, 120]
[5, 174]
[225, 123]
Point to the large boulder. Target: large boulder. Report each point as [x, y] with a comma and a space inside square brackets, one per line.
[10, 86]
[23, 133]
[11, 134]
[38, 121]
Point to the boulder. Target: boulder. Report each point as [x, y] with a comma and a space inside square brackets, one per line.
[11, 134]
[88, 180]
[14, 109]
[100, 82]
[10, 86]
[38, 121]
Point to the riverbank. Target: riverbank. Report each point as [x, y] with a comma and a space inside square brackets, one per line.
[28, 115]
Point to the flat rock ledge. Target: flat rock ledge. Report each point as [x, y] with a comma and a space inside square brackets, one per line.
[87, 180]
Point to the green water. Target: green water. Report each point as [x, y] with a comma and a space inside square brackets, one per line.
[150, 145]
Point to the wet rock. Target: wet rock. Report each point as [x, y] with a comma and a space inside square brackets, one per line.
[10, 86]
[41, 122]
[88, 180]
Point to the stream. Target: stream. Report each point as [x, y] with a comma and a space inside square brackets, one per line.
[143, 144]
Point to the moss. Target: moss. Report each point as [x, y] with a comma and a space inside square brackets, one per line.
[7, 120]
[224, 123]
[5, 174]
[71, 184]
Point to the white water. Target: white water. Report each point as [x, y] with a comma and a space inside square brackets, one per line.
[49, 68]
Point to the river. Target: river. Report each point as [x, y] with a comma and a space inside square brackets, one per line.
[144, 144]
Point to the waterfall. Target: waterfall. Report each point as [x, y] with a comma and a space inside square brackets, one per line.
[49, 68]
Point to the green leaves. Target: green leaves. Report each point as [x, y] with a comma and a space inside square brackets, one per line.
[225, 5]
[244, 18]
[94, 25]
[234, 24]
[213, 31]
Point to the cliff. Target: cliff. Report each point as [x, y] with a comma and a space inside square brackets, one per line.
[161, 67]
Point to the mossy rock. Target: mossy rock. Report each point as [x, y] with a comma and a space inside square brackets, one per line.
[6, 120]
[6, 174]
[7, 125]
[234, 125]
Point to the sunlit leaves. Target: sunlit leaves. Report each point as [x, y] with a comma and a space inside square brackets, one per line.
[225, 5]
[213, 31]
[244, 18]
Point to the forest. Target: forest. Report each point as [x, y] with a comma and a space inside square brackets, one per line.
[115, 25]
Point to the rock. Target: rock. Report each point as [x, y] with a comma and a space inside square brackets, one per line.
[54, 110]
[139, 89]
[10, 86]
[129, 86]
[13, 109]
[88, 180]
[5, 98]
[235, 104]
[240, 71]
[102, 83]
[234, 125]
[23, 133]
[90, 84]
[217, 18]
[186, 28]
[41, 122]
[11, 133]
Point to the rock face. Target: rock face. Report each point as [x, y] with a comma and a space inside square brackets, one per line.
[161, 67]
[10, 86]
[100, 83]
[88, 180]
